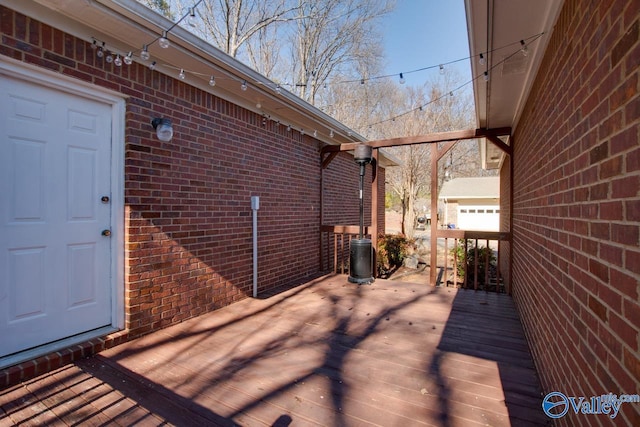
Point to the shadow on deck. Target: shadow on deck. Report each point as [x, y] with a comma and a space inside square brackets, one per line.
[324, 353]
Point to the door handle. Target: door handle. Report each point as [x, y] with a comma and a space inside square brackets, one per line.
[106, 233]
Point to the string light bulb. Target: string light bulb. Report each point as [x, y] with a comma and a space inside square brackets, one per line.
[212, 81]
[152, 66]
[482, 59]
[100, 52]
[191, 20]
[331, 133]
[94, 45]
[315, 133]
[485, 76]
[243, 86]
[524, 49]
[441, 69]
[164, 40]
[109, 59]
[144, 55]
[181, 75]
[129, 58]
[118, 61]
[278, 89]
[402, 80]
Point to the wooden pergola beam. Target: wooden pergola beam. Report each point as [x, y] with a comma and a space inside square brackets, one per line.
[423, 139]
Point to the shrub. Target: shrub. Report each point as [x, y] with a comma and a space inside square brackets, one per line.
[392, 250]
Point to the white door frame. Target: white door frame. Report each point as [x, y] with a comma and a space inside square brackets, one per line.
[33, 74]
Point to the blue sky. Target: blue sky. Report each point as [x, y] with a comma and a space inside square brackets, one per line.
[422, 33]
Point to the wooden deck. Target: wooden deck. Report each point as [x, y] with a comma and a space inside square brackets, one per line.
[327, 353]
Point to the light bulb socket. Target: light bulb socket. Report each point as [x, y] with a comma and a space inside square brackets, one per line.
[164, 40]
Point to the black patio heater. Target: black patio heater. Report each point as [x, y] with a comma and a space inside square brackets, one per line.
[361, 253]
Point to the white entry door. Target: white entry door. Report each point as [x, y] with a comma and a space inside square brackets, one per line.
[55, 183]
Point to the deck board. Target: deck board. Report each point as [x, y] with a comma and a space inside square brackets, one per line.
[324, 353]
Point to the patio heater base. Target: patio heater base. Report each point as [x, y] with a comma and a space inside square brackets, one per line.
[360, 262]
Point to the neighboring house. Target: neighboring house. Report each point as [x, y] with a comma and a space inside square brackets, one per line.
[570, 192]
[108, 232]
[472, 203]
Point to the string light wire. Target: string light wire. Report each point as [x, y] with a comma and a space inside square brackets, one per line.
[101, 51]
[451, 92]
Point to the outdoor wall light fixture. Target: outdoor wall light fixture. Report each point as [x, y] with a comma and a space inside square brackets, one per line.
[164, 129]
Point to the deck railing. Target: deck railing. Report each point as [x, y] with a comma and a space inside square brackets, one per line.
[336, 240]
[487, 262]
[486, 270]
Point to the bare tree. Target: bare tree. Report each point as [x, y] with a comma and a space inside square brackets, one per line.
[161, 6]
[231, 24]
[263, 52]
[334, 36]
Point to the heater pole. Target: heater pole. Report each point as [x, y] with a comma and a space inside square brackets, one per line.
[362, 169]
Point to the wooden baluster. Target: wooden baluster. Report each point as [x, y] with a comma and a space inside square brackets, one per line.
[342, 252]
[486, 267]
[446, 256]
[335, 253]
[466, 266]
[498, 269]
[475, 266]
[455, 262]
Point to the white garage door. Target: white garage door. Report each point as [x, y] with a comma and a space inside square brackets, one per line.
[55, 167]
[479, 218]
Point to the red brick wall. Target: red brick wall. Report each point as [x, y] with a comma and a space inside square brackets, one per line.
[505, 220]
[188, 216]
[576, 207]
